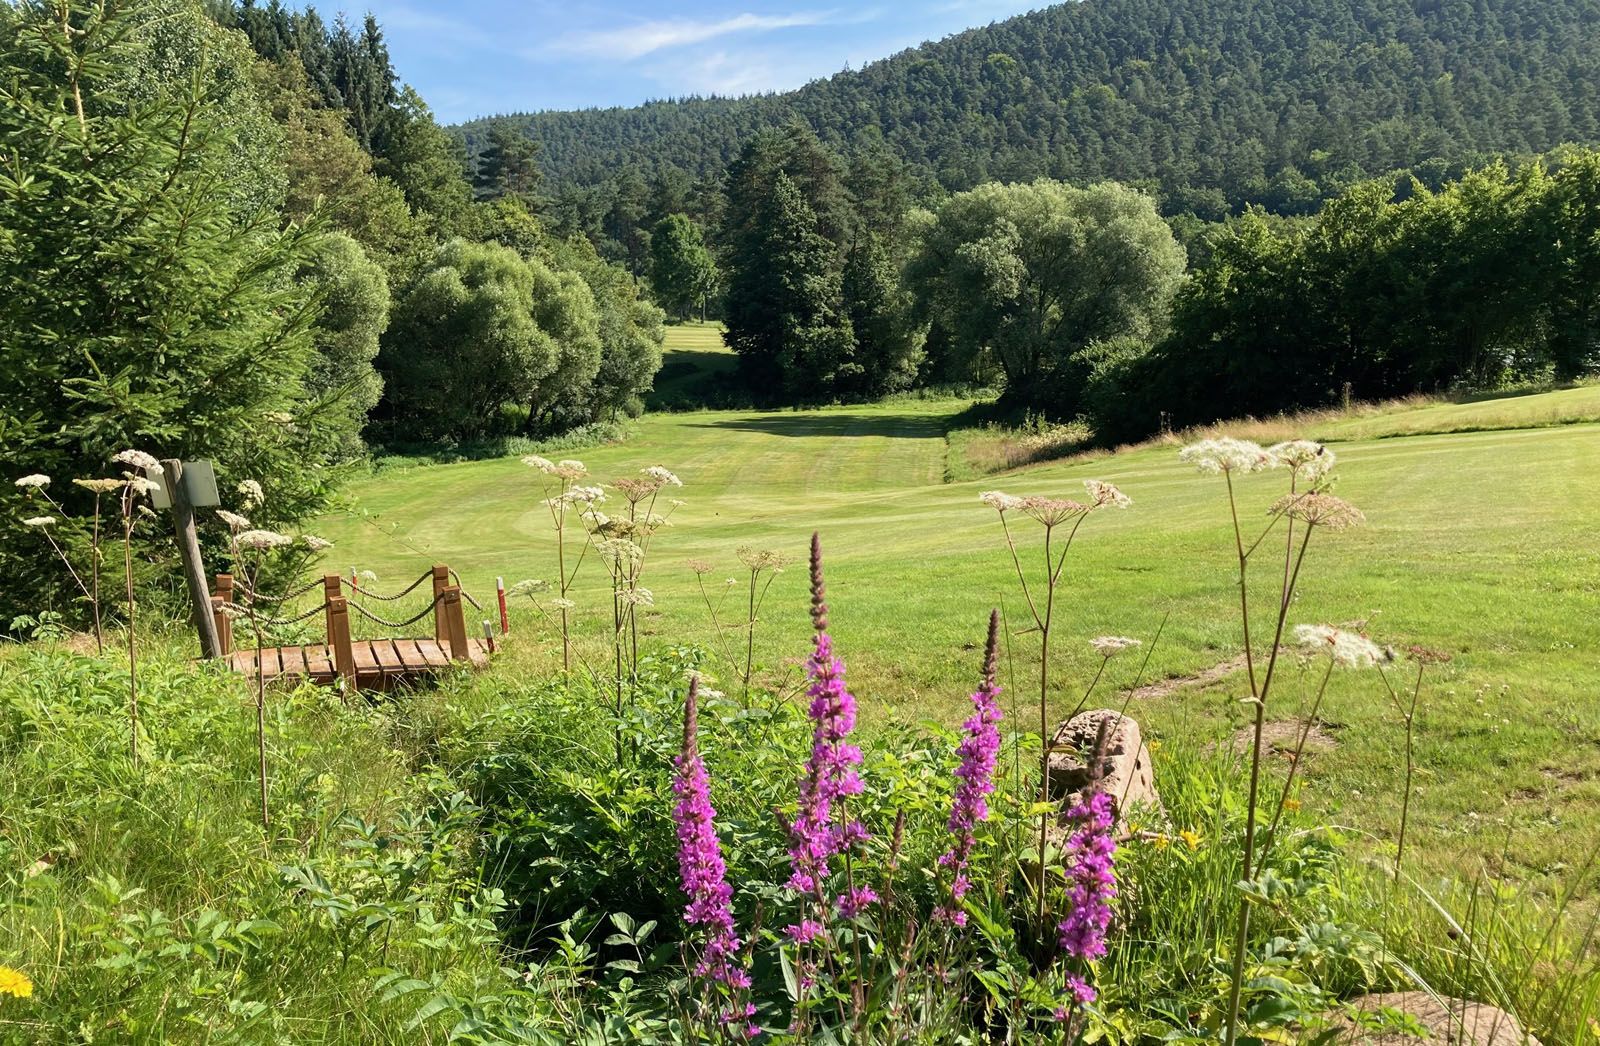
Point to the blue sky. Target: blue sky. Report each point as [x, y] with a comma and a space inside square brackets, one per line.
[476, 57]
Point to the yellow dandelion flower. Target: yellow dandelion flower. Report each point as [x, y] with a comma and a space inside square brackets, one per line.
[1191, 839]
[15, 983]
[1291, 804]
[1161, 842]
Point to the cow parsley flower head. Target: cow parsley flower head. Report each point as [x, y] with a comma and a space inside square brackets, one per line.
[638, 597]
[1319, 510]
[39, 521]
[1309, 461]
[1111, 646]
[136, 459]
[252, 493]
[1347, 649]
[1000, 501]
[1052, 512]
[100, 486]
[1104, 495]
[619, 551]
[534, 461]
[528, 587]
[37, 481]
[662, 476]
[263, 540]
[234, 521]
[1227, 455]
[369, 576]
[315, 543]
[136, 484]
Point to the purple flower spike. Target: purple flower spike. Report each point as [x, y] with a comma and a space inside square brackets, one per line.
[1093, 885]
[818, 833]
[979, 749]
[700, 866]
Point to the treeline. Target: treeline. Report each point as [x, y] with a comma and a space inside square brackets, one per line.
[1208, 105]
[229, 232]
[1081, 302]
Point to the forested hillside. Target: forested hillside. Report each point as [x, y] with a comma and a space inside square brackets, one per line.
[1216, 103]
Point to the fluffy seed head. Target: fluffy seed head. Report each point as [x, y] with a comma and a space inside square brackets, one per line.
[1348, 649]
[1000, 501]
[1319, 510]
[1226, 455]
[1104, 495]
[1309, 461]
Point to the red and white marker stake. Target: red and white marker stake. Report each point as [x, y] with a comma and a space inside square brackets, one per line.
[355, 580]
[500, 591]
[488, 634]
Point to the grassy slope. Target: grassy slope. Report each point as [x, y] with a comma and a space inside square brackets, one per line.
[1482, 543]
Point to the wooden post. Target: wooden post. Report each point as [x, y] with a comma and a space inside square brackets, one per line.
[194, 568]
[224, 623]
[222, 592]
[455, 620]
[330, 592]
[344, 655]
[441, 581]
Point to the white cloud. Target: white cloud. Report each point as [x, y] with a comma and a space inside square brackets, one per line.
[635, 41]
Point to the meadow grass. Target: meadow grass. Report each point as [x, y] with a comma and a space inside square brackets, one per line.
[1483, 544]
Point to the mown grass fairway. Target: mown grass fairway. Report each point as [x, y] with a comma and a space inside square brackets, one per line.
[1485, 544]
[694, 363]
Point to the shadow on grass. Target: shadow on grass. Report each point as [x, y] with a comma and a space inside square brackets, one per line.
[802, 424]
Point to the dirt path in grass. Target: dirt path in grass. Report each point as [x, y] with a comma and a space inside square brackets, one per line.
[1166, 687]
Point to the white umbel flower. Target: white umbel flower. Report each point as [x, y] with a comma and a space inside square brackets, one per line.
[100, 486]
[663, 476]
[37, 481]
[534, 461]
[234, 521]
[252, 492]
[1104, 495]
[263, 540]
[1226, 455]
[1111, 646]
[315, 543]
[39, 521]
[1000, 501]
[1310, 461]
[136, 459]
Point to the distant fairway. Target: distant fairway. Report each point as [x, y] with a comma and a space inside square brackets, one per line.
[694, 366]
[1486, 544]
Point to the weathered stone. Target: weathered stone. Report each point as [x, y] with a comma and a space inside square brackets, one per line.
[1456, 1022]
[1124, 772]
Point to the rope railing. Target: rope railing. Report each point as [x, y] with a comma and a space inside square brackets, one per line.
[249, 613]
[424, 612]
[259, 597]
[464, 593]
[368, 593]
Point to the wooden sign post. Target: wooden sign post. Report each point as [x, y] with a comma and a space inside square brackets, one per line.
[194, 568]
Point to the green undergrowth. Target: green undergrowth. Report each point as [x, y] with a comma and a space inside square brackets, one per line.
[494, 860]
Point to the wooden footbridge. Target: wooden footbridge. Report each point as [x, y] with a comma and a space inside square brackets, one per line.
[361, 664]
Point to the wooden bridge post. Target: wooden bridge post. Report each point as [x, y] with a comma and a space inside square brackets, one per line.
[455, 624]
[222, 592]
[441, 581]
[344, 655]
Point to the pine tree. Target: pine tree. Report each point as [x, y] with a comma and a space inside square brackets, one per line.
[138, 308]
[784, 303]
[509, 166]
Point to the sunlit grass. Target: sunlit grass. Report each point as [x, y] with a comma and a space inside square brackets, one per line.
[1486, 544]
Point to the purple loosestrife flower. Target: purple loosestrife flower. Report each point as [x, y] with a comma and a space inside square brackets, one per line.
[1092, 877]
[816, 834]
[700, 865]
[974, 777]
